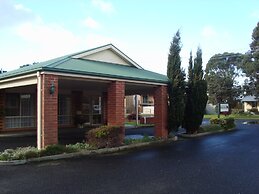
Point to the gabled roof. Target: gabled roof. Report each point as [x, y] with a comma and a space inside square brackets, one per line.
[77, 63]
[110, 47]
[249, 99]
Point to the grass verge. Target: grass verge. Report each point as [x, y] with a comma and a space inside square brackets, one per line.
[24, 153]
[133, 123]
[235, 116]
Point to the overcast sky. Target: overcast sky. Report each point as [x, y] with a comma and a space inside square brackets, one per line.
[38, 30]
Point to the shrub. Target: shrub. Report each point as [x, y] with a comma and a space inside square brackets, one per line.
[144, 139]
[105, 136]
[210, 128]
[54, 150]
[78, 146]
[237, 111]
[25, 153]
[19, 153]
[254, 110]
[7, 154]
[22, 153]
[225, 123]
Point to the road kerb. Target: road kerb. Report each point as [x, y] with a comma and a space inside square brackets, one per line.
[102, 151]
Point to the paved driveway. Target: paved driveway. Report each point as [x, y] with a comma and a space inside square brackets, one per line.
[224, 163]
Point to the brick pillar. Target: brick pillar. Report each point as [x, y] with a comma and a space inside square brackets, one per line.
[2, 109]
[115, 103]
[104, 108]
[49, 110]
[161, 103]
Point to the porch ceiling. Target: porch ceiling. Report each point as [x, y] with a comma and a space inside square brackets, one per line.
[101, 86]
[77, 84]
[141, 89]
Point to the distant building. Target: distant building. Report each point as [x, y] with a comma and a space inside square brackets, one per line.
[145, 104]
[250, 102]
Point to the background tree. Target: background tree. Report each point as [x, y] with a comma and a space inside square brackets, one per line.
[249, 87]
[196, 93]
[250, 63]
[221, 73]
[176, 86]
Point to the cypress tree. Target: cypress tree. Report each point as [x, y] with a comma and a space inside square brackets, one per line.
[176, 86]
[188, 114]
[196, 94]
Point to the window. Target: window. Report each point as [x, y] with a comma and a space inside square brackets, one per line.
[64, 110]
[145, 99]
[254, 104]
[20, 111]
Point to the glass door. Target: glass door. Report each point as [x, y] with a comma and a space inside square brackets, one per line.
[91, 110]
[86, 110]
[96, 110]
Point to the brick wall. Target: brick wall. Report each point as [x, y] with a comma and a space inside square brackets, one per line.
[161, 103]
[49, 110]
[115, 103]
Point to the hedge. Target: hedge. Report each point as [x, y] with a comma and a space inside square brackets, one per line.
[225, 123]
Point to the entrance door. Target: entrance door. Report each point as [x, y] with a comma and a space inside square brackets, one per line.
[91, 110]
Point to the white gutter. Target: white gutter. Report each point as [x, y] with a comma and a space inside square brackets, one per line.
[18, 78]
[39, 126]
[103, 78]
[18, 81]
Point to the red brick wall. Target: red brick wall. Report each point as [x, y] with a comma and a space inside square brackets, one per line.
[49, 110]
[115, 103]
[2, 108]
[161, 103]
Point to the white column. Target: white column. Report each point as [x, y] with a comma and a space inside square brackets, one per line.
[136, 109]
[39, 128]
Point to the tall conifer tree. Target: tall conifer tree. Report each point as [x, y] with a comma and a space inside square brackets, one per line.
[196, 93]
[176, 86]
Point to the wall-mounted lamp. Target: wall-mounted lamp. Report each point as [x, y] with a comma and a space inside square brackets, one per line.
[52, 88]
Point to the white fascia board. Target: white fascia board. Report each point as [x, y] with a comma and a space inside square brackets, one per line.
[19, 81]
[103, 78]
[81, 55]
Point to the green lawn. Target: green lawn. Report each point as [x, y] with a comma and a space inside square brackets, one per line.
[133, 123]
[235, 116]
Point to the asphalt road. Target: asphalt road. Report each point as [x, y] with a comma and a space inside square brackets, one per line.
[224, 163]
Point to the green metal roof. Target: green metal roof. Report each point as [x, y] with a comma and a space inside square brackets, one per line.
[67, 64]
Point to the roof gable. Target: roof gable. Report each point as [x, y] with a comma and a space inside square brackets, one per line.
[109, 54]
[77, 65]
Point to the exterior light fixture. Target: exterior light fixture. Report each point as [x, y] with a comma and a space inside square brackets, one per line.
[52, 88]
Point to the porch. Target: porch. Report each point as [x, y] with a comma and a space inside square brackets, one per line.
[65, 136]
[75, 105]
[79, 90]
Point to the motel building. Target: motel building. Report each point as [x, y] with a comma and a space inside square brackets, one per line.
[84, 88]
